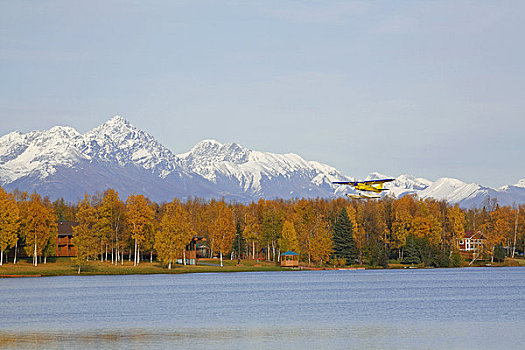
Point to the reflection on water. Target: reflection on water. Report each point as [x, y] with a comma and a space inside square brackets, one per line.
[433, 335]
[446, 308]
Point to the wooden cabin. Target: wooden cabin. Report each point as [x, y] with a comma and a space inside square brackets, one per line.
[289, 259]
[65, 245]
[196, 249]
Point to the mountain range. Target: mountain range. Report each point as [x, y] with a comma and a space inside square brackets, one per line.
[61, 162]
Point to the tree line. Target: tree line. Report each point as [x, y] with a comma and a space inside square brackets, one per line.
[336, 231]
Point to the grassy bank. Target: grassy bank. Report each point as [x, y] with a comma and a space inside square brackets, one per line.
[66, 267]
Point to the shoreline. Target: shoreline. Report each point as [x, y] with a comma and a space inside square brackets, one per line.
[66, 267]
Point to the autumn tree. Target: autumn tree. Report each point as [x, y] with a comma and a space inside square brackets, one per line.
[139, 218]
[271, 226]
[22, 202]
[9, 222]
[455, 225]
[497, 228]
[402, 214]
[40, 225]
[175, 232]
[288, 239]
[252, 229]
[86, 237]
[304, 223]
[321, 241]
[372, 217]
[111, 221]
[222, 230]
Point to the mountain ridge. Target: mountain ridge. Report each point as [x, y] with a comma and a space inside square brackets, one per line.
[61, 162]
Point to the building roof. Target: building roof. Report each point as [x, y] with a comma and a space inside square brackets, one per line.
[289, 253]
[473, 234]
[65, 228]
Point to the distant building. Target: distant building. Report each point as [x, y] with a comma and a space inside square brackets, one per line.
[471, 242]
[289, 259]
[65, 246]
[196, 249]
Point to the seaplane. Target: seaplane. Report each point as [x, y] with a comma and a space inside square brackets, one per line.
[375, 186]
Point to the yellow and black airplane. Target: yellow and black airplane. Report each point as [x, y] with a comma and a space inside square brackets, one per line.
[367, 185]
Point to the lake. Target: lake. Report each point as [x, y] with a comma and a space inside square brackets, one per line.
[468, 308]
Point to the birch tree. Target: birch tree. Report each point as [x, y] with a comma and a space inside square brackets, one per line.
[222, 228]
[288, 239]
[175, 232]
[139, 218]
[111, 219]
[40, 225]
[252, 229]
[9, 222]
[85, 235]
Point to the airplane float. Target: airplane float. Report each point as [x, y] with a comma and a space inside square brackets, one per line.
[361, 196]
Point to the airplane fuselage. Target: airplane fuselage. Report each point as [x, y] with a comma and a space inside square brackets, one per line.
[369, 188]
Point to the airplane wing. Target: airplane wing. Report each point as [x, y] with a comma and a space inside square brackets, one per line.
[352, 183]
[376, 182]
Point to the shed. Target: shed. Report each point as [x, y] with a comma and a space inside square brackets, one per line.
[289, 259]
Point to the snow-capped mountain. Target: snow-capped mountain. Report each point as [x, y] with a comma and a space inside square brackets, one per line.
[259, 174]
[61, 162]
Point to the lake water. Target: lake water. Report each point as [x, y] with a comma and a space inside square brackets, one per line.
[470, 308]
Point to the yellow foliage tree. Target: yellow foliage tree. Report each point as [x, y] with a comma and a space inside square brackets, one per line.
[455, 222]
[288, 239]
[111, 213]
[139, 218]
[304, 223]
[85, 235]
[402, 214]
[321, 245]
[175, 232]
[222, 230]
[252, 229]
[40, 225]
[499, 226]
[9, 222]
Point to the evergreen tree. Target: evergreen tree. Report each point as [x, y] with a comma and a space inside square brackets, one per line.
[499, 253]
[343, 238]
[239, 244]
[411, 253]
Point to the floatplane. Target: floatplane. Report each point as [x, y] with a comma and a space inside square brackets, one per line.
[375, 186]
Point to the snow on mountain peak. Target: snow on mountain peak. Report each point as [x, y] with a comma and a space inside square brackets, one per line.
[376, 175]
[449, 189]
[134, 158]
[521, 183]
[119, 140]
[209, 152]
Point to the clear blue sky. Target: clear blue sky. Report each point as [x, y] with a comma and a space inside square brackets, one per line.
[429, 88]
